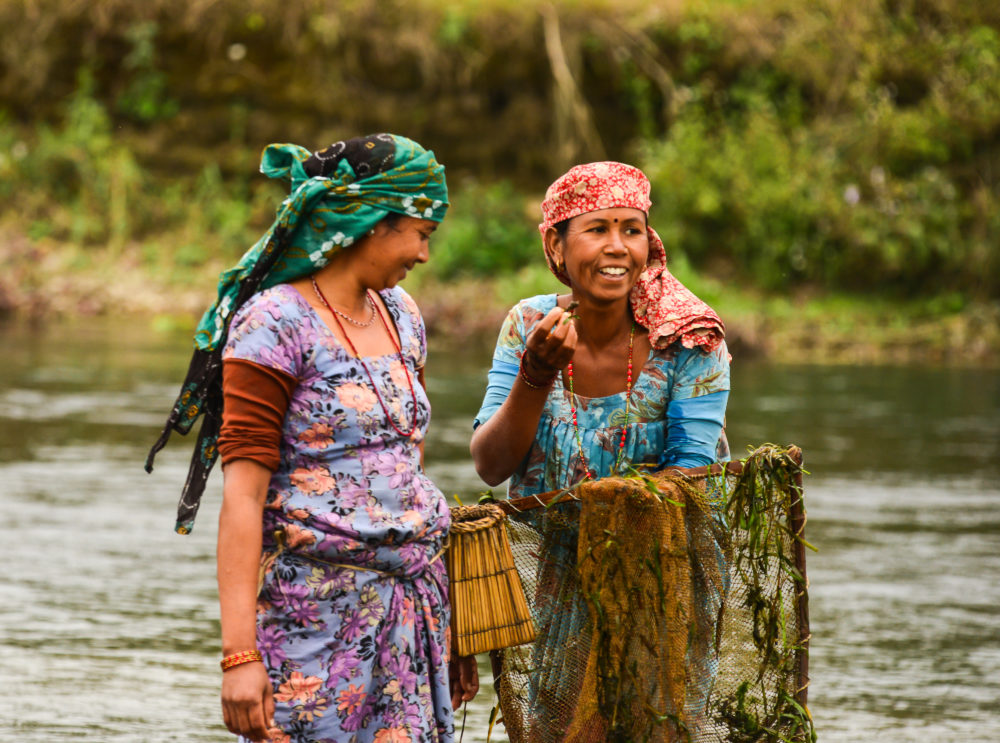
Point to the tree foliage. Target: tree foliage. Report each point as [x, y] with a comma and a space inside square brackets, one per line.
[820, 142]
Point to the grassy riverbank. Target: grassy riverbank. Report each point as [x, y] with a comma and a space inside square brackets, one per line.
[826, 173]
[50, 282]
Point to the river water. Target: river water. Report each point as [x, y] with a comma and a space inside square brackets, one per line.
[109, 622]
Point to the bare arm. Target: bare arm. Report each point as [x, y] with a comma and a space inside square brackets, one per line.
[247, 697]
[500, 444]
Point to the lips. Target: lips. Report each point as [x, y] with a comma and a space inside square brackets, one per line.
[613, 271]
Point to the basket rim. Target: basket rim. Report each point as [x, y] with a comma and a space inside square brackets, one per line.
[475, 518]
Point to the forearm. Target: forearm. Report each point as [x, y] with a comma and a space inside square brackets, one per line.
[239, 550]
[500, 444]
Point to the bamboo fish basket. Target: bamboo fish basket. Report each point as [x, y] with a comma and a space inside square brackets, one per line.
[488, 608]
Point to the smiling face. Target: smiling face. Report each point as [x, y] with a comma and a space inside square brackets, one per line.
[604, 252]
[394, 249]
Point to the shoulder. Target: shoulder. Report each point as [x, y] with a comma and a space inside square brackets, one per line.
[679, 355]
[531, 310]
[270, 328]
[270, 306]
[409, 323]
[695, 371]
[403, 309]
[400, 303]
[539, 304]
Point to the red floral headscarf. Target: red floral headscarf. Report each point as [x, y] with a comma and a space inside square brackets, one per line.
[660, 303]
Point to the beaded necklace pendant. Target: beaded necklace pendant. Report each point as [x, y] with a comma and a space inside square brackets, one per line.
[628, 402]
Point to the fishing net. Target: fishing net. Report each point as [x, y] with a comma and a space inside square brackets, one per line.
[668, 607]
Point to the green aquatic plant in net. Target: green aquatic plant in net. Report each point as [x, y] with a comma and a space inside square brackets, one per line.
[670, 606]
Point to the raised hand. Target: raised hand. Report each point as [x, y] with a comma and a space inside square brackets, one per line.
[551, 344]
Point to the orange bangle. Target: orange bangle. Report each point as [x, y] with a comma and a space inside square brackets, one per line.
[236, 659]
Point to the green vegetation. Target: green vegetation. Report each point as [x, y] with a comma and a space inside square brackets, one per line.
[826, 164]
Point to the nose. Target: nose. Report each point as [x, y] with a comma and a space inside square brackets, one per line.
[616, 244]
[423, 255]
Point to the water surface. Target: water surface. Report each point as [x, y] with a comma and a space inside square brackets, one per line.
[109, 623]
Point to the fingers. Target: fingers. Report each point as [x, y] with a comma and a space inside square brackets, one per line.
[248, 721]
[454, 683]
[552, 343]
[549, 321]
[463, 680]
[227, 720]
[272, 728]
[469, 677]
[248, 702]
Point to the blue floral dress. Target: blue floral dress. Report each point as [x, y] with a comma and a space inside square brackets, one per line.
[352, 613]
[676, 418]
[676, 413]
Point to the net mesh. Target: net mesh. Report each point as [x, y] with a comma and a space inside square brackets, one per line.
[667, 607]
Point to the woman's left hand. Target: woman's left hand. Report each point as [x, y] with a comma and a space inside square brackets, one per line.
[463, 678]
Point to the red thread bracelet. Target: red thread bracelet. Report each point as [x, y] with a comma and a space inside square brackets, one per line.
[236, 659]
[531, 381]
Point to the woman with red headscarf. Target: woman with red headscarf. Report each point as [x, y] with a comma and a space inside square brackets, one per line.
[637, 373]
[628, 368]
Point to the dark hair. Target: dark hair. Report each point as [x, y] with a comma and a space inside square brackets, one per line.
[391, 220]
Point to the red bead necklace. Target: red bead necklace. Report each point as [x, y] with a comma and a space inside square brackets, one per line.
[399, 351]
[628, 401]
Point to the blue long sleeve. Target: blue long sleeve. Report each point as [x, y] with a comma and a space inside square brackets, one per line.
[499, 382]
[693, 429]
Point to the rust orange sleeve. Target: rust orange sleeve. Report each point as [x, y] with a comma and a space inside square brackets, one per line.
[255, 400]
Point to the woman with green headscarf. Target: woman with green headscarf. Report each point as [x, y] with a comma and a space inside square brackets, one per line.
[309, 372]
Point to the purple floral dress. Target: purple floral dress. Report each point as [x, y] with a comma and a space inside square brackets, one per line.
[352, 614]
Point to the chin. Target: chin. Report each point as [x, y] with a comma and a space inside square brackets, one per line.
[609, 295]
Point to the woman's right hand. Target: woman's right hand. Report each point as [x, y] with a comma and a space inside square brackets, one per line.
[551, 344]
[248, 702]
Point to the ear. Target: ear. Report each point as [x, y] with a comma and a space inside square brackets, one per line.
[554, 246]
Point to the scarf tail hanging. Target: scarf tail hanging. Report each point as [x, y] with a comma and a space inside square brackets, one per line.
[201, 394]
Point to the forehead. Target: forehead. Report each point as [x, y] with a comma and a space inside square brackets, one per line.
[417, 223]
[619, 214]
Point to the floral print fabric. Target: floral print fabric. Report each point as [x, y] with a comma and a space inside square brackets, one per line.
[676, 419]
[352, 612]
[690, 378]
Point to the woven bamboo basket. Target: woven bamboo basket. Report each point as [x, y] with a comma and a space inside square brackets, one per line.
[488, 608]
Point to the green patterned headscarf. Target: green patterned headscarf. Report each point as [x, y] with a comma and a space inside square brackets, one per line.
[330, 206]
[336, 196]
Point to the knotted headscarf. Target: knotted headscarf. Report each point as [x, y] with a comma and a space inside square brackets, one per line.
[336, 196]
[660, 303]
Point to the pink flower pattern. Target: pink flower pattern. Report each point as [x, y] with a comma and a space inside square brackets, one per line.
[353, 652]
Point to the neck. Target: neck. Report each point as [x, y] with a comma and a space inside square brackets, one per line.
[602, 324]
[342, 289]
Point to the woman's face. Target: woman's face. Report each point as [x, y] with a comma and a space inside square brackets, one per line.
[604, 252]
[392, 251]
